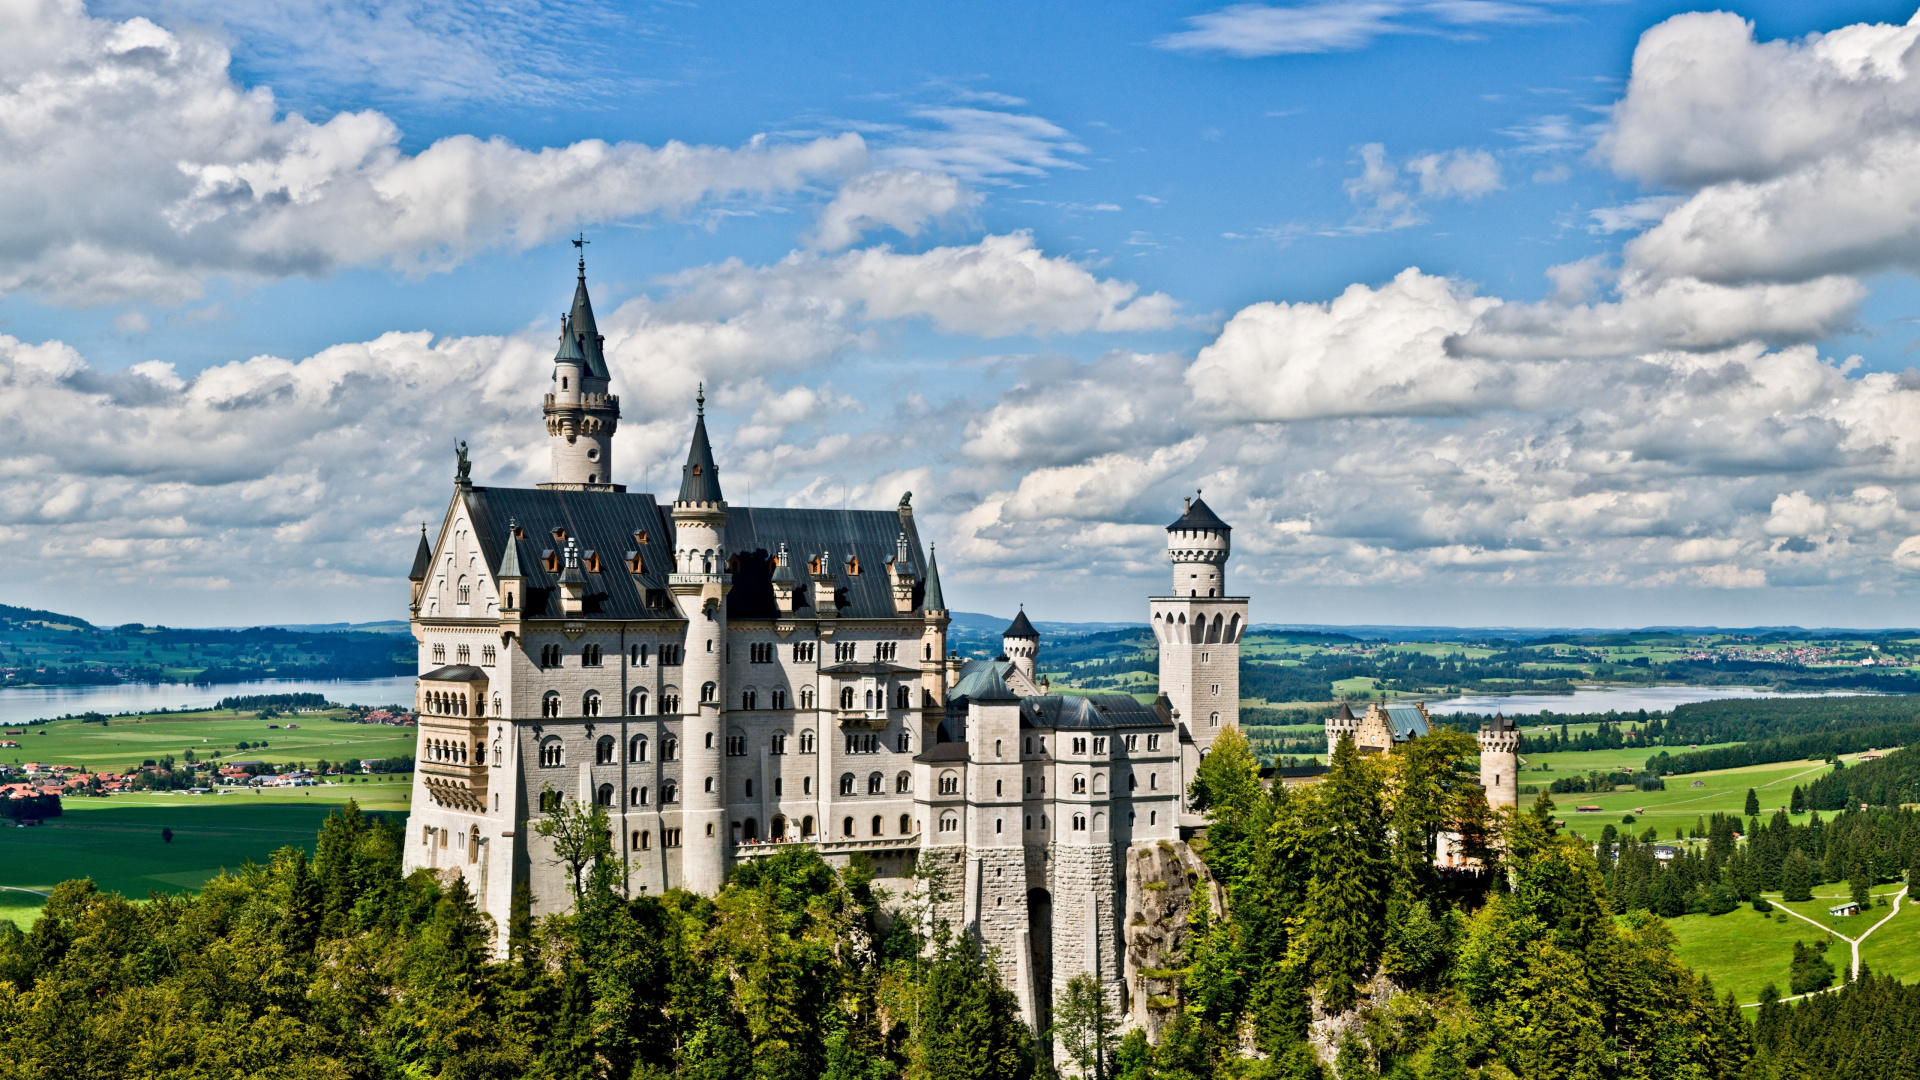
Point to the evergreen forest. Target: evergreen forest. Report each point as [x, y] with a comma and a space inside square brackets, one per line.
[1341, 951]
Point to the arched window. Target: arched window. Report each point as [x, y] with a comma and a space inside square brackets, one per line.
[777, 743]
[846, 697]
[708, 692]
[869, 699]
[709, 785]
[669, 700]
[550, 801]
[1099, 783]
[551, 754]
[906, 824]
[637, 703]
[590, 703]
[846, 783]
[748, 698]
[874, 827]
[465, 590]
[806, 827]
[605, 795]
[590, 656]
[669, 793]
[550, 704]
[777, 699]
[903, 783]
[806, 785]
[902, 698]
[750, 830]
[949, 783]
[1079, 784]
[904, 742]
[637, 748]
[736, 743]
[1079, 823]
[806, 741]
[669, 749]
[846, 827]
[1214, 720]
[636, 796]
[949, 823]
[806, 697]
[603, 751]
[876, 784]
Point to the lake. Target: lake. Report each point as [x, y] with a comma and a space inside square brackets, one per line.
[1594, 699]
[35, 703]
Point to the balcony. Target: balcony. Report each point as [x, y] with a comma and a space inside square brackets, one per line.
[867, 719]
[760, 848]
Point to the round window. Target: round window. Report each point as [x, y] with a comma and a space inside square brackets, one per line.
[593, 453]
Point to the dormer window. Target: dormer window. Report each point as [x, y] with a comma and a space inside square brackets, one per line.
[551, 560]
[560, 536]
[519, 532]
[640, 537]
[853, 566]
[635, 564]
[696, 469]
[593, 562]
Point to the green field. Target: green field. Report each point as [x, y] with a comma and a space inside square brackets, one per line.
[1743, 950]
[1894, 949]
[1681, 804]
[129, 740]
[116, 841]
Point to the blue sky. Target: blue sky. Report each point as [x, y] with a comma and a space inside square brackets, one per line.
[1049, 266]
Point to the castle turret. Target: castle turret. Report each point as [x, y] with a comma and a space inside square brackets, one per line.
[699, 587]
[1500, 762]
[1021, 643]
[1342, 724]
[422, 566]
[581, 414]
[1199, 628]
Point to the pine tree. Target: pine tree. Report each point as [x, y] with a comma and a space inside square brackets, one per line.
[1083, 1026]
[969, 1024]
[1343, 916]
[1796, 877]
[1798, 804]
[1753, 803]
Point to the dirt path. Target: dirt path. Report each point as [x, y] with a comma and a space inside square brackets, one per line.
[1854, 970]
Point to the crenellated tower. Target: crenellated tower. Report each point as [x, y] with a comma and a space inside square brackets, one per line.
[1021, 644]
[581, 414]
[699, 585]
[1500, 762]
[1199, 627]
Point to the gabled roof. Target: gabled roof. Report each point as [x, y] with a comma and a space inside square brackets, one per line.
[700, 477]
[612, 522]
[868, 667]
[1064, 712]
[1199, 516]
[983, 684]
[1406, 721]
[1021, 628]
[1499, 723]
[456, 673]
[422, 558]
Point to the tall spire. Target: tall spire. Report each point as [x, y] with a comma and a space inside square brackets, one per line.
[422, 558]
[933, 600]
[510, 561]
[580, 319]
[700, 479]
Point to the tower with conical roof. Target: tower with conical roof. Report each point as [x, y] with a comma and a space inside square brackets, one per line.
[1021, 643]
[1199, 628]
[581, 414]
[699, 585]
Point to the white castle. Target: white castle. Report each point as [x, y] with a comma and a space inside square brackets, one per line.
[726, 679]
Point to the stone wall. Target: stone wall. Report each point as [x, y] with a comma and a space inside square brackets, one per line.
[1161, 878]
[1086, 919]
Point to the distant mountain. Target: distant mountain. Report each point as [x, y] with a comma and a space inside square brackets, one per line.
[20, 614]
[386, 626]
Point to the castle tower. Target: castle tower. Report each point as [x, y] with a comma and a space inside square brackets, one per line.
[1342, 723]
[1199, 628]
[581, 414]
[699, 585]
[1021, 643]
[1500, 762]
[933, 648]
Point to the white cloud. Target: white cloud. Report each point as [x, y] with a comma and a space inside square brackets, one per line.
[901, 199]
[190, 175]
[1386, 202]
[1457, 174]
[1252, 30]
[1633, 216]
[982, 146]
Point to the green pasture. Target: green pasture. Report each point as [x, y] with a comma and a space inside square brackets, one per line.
[124, 741]
[1724, 790]
[1743, 950]
[117, 842]
[1894, 949]
[1580, 762]
[1825, 896]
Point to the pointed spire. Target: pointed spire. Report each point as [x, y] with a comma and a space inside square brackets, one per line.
[1021, 627]
[510, 561]
[580, 325]
[934, 601]
[700, 479]
[422, 557]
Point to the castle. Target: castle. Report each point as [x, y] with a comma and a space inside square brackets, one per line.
[728, 679]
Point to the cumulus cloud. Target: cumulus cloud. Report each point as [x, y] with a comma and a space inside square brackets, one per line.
[905, 200]
[188, 174]
[1388, 201]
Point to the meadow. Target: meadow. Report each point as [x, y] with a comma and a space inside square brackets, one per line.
[116, 840]
[1681, 804]
[129, 740]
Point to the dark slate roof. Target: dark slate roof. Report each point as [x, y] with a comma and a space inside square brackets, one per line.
[1021, 628]
[1063, 712]
[700, 477]
[456, 673]
[871, 667]
[754, 535]
[935, 600]
[1345, 713]
[422, 558]
[983, 684]
[1199, 516]
[510, 562]
[583, 330]
[606, 522]
[1499, 723]
[569, 351]
[944, 750]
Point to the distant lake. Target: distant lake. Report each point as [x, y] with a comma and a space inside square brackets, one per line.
[1602, 699]
[21, 704]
